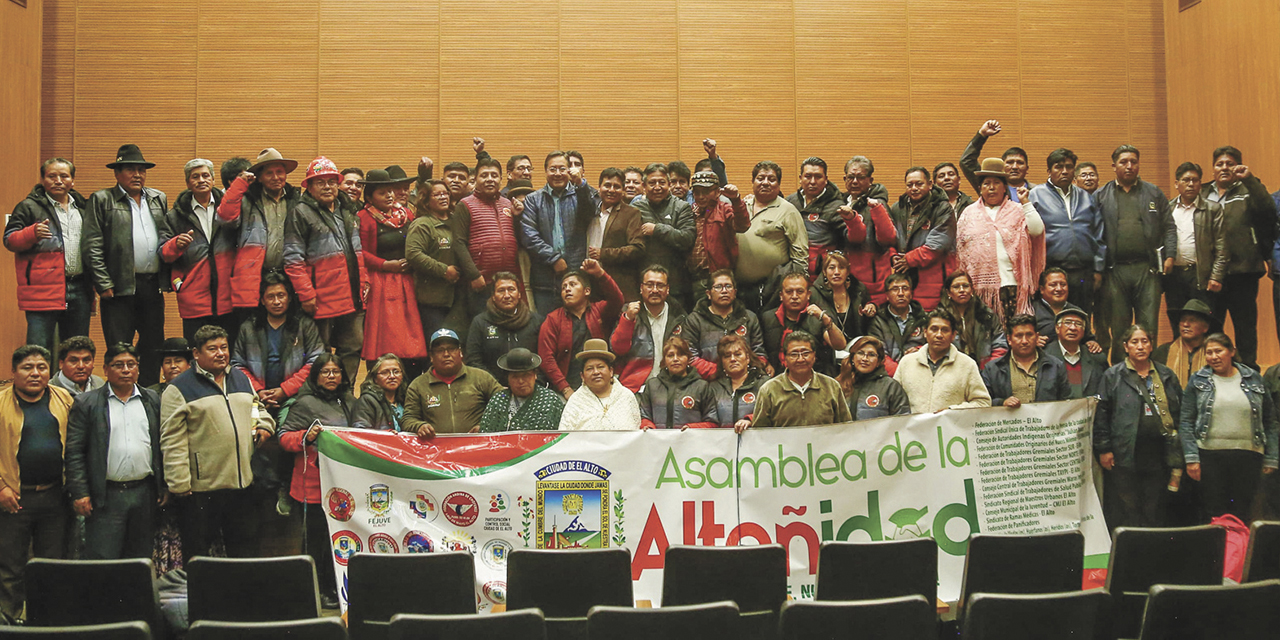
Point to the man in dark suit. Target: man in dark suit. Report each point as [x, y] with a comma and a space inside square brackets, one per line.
[114, 467]
[613, 233]
[1084, 369]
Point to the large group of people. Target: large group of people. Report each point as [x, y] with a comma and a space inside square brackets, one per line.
[660, 297]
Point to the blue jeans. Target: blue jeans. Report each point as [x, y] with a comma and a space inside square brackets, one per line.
[46, 328]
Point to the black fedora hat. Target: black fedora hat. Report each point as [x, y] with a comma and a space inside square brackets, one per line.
[377, 178]
[519, 359]
[1198, 308]
[398, 176]
[129, 154]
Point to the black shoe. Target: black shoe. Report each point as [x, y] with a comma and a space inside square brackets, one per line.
[328, 602]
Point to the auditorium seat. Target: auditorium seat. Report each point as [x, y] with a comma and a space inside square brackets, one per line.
[102, 591]
[565, 584]
[252, 589]
[755, 578]
[525, 624]
[874, 570]
[1043, 563]
[1262, 562]
[707, 621]
[383, 585]
[135, 630]
[1239, 612]
[903, 618]
[313, 629]
[1142, 557]
[1071, 615]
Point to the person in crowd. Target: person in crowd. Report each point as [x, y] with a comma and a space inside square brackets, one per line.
[926, 228]
[114, 469]
[669, 229]
[775, 244]
[869, 390]
[602, 403]
[489, 220]
[1200, 262]
[1001, 244]
[979, 333]
[1228, 430]
[1025, 373]
[718, 315]
[1074, 229]
[392, 323]
[677, 398]
[322, 256]
[210, 425]
[800, 396]
[1135, 435]
[438, 255]
[946, 176]
[899, 323]
[519, 166]
[567, 328]
[351, 179]
[175, 358]
[632, 183]
[506, 323]
[120, 244]
[798, 313]
[1084, 369]
[1087, 177]
[547, 231]
[525, 405]
[819, 202]
[200, 249]
[613, 233]
[713, 162]
[400, 186]
[719, 216]
[382, 396]
[679, 175]
[324, 400]
[645, 327]
[1249, 226]
[869, 228]
[839, 294]
[1052, 299]
[75, 375]
[1141, 242]
[457, 177]
[43, 232]
[260, 199]
[740, 374]
[1013, 160]
[1185, 354]
[34, 513]
[231, 169]
[940, 376]
[277, 345]
[450, 397]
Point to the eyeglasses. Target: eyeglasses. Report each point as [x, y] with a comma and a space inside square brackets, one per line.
[799, 355]
[123, 365]
[330, 373]
[722, 287]
[655, 286]
[1072, 323]
[557, 170]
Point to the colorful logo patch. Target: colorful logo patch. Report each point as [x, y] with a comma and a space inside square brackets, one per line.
[345, 545]
[749, 397]
[459, 541]
[873, 401]
[495, 591]
[813, 217]
[383, 543]
[495, 554]
[498, 502]
[461, 509]
[424, 505]
[339, 503]
[433, 401]
[418, 542]
[741, 330]
[379, 499]
[687, 402]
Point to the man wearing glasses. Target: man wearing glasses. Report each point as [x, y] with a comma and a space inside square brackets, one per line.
[114, 467]
[450, 397]
[1084, 367]
[551, 232]
[645, 327]
[716, 316]
[800, 396]
[797, 313]
[869, 228]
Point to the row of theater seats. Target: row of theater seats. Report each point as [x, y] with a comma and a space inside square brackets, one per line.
[1013, 586]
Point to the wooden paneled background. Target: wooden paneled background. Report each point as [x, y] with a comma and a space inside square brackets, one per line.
[370, 84]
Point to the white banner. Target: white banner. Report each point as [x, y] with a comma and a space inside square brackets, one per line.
[944, 476]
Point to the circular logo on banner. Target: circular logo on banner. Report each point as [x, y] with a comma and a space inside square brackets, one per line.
[345, 545]
[461, 509]
[495, 591]
[424, 505]
[687, 402]
[495, 553]
[498, 502]
[459, 541]
[873, 401]
[749, 397]
[418, 542]
[383, 543]
[340, 504]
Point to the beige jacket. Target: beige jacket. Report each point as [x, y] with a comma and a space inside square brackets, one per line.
[956, 385]
[206, 431]
[11, 430]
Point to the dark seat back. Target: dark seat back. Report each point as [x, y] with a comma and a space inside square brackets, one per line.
[1142, 557]
[1239, 612]
[1043, 563]
[383, 585]
[1262, 562]
[252, 589]
[905, 618]
[103, 591]
[874, 570]
[567, 583]
[753, 577]
[1074, 615]
[525, 624]
[313, 629]
[709, 621]
[135, 630]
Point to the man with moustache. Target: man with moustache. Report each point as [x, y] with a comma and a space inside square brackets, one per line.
[818, 202]
[613, 232]
[1084, 369]
[947, 177]
[1200, 263]
[669, 229]
[775, 244]
[260, 199]
[201, 249]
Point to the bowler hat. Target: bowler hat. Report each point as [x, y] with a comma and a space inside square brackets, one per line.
[519, 188]
[270, 155]
[1199, 308]
[377, 178]
[398, 176]
[596, 348]
[174, 347]
[992, 168]
[129, 154]
[519, 359]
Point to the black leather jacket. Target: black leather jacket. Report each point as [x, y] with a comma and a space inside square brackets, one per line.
[107, 239]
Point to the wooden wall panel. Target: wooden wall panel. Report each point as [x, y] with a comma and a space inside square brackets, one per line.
[59, 72]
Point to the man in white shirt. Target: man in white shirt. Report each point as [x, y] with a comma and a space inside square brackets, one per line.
[1200, 263]
[644, 327]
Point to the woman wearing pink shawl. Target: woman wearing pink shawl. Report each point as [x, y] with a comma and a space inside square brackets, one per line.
[1000, 243]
